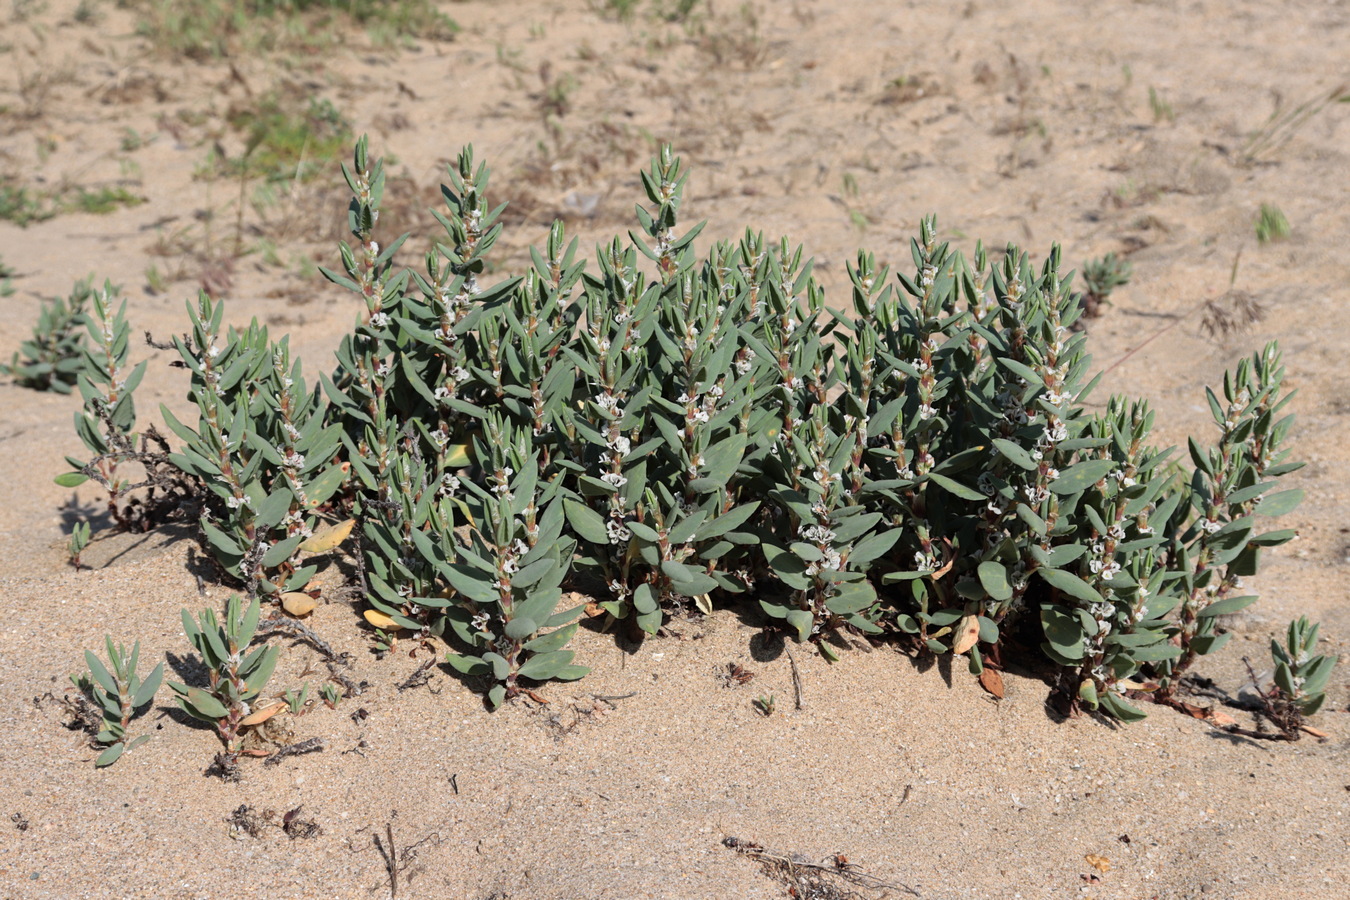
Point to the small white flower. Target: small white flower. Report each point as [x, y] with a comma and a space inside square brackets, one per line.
[294, 461]
[618, 534]
[819, 534]
[379, 320]
[459, 373]
[443, 393]
[621, 445]
[926, 411]
[614, 479]
[1209, 526]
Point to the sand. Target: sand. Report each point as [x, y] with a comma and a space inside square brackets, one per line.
[839, 124]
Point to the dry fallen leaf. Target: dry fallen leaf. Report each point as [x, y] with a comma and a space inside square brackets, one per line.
[257, 717]
[967, 633]
[1100, 863]
[381, 621]
[298, 603]
[328, 538]
[1223, 720]
[1195, 712]
[992, 681]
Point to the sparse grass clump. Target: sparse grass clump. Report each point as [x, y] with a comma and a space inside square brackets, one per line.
[1271, 225]
[25, 206]
[1101, 277]
[209, 29]
[285, 139]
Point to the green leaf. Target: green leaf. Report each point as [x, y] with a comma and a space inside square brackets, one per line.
[469, 582]
[726, 522]
[1015, 454]
[994, 579]
[1228, 605]
[571, 673]
[954, 487]
[146, 692]
[282, 551]
[203, 704]
[802, 620]
[1208, 643]
[500, 667]
[1279, 503]
[852, 597]
[521, 628]
[554, 640]
[467, 665]
[1064, 632]
[71, 479]
[257, 677]
[100, 673]
[1125, 712]
[1070, 584]
[586, 522]
[988, 630]
[111, 755]
[544, 666]
[872, 547]
[1083, 475]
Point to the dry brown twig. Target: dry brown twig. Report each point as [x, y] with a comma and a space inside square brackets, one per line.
[810, 880]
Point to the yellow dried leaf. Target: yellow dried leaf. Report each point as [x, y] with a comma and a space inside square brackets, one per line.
[328, 538]
[381, 621]
[257, 717]
[298, 603]
[457, 455]
[1100, 863]
[967, 633]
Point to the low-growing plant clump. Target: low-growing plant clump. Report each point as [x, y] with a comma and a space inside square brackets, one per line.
[669, 432]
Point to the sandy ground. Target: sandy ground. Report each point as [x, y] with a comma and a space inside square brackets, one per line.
[840, 124]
